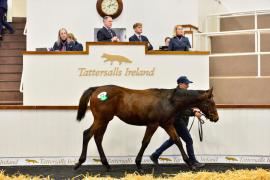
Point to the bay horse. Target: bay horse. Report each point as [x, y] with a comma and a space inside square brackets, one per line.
[150, 107]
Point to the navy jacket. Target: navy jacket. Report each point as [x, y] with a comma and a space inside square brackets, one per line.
[177, 44]
[3, 4]
[134, 38]
[78, 46]
[58, 47]
[104, 35]
[182, 117]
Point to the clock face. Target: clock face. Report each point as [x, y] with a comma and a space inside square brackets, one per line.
[109, 7]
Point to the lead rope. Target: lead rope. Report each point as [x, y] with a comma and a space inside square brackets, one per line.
[200, 128]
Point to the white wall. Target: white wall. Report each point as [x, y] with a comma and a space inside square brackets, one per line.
[56, 133]
[207, 7]
[245, 5]
[45, 18]
[19, 8]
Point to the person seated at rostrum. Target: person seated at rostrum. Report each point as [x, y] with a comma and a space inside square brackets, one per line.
[106, 33]
[179, 42]
[62, 44]
[167, 42]
[138, 35]
[72, 39]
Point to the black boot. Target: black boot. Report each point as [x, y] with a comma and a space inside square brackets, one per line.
[154, 159]
[197, 164]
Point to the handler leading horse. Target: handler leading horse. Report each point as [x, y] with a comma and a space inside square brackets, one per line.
[151, 108]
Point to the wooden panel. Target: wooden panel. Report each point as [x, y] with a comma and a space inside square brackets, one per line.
[19, 19]
[11, 68]
[233, 43]
[14, 37]
[237, 23]
[234, 66]
[263, 21]
[87, 51]
[241, 90]
[10, 76]
[11, 60]
[9, 85]
[8, 53]
[21, 107]
[39, 107]
[13, 45]
[265, 42]
[265, 65]
[10, 96]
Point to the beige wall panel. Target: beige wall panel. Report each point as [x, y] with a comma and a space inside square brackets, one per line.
[241, 90]
[237, 23]
[264, 21]
[234, 66]
[265, 65]
[233, 43]
[265, 42]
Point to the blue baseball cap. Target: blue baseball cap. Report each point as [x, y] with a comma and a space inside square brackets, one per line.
[183, 79]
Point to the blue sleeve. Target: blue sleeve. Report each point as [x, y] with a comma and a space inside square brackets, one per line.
[101, 36]
[80, 47]
[131, 39]
[55, 47]
[170, 48]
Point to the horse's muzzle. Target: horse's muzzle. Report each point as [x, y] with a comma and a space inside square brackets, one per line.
[214, 118]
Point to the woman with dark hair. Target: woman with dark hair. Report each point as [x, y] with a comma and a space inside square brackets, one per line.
[62, 44]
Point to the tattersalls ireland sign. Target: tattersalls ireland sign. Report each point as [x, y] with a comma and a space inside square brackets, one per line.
[117, 69]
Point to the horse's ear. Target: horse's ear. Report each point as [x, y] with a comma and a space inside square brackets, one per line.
[210, 92]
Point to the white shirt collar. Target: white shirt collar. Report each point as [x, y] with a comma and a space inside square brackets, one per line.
[138, 35]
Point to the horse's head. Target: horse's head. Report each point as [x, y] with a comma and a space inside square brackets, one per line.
[208, 105]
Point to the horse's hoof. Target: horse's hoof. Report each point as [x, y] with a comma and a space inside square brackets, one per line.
[141, 171]
[77, 165]
[108, 169]
[193, 167]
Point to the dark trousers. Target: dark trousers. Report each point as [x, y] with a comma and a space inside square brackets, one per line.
[183, 132]
[3, 22]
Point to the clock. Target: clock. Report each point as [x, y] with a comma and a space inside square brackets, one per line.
[111, 8]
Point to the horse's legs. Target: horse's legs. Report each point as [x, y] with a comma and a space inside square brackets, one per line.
[87, 134]
[98, 136]
[174, 136]
[150, 130]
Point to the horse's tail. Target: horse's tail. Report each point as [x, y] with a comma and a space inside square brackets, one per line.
[84, 101]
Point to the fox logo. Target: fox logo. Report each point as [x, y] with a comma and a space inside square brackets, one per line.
[97, 160]
[231, 158]
[164, 159]
[31, 161]
[111, 58]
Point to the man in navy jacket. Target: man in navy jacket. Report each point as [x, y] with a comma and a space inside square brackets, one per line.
[3, 11]
[138, 37]
[106, 33]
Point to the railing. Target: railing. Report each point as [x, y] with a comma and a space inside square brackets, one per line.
[217, 17]
[257, 33]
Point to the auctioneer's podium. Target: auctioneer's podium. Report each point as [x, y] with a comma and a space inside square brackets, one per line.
[59, 78]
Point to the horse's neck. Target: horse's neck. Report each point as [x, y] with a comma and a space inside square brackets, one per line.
[188, 98]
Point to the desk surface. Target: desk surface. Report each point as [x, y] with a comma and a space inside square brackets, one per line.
[153, 52]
